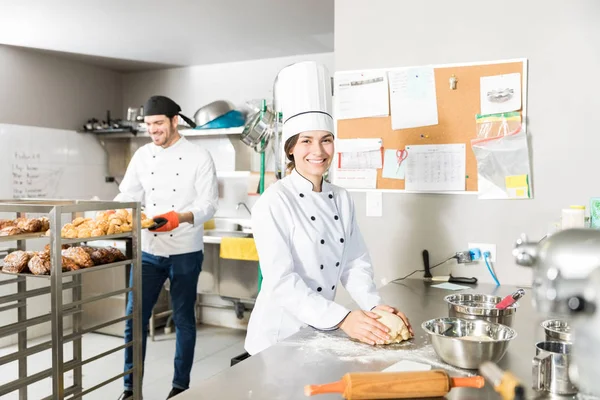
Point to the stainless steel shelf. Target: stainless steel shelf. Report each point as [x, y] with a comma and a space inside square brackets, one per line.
[70, 273]
[58, 311]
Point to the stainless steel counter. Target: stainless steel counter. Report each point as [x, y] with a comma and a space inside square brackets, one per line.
[313, 357]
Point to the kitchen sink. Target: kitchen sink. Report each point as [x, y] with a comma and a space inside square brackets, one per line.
[223, 233]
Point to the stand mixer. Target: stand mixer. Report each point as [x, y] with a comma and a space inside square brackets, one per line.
[566, 282]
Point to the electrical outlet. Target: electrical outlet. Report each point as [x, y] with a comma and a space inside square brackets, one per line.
[485, 247]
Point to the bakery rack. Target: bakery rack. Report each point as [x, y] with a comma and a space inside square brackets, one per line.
[57, 210]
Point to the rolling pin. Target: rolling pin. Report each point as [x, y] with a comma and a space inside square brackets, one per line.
[394, 385]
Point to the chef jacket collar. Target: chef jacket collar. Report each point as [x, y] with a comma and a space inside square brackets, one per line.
[158, 149]
[304, 185]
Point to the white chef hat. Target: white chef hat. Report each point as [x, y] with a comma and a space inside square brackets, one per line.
[304, 98]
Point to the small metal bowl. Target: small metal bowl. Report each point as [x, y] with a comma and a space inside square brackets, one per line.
[479, 306]
[449, 339]
[556, 329]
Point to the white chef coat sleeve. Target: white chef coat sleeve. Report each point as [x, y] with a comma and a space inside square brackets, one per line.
[272, 227]
[207, 192]
[131, 188]
[357, 276]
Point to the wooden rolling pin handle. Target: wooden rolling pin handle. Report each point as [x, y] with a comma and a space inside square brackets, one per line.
[472, 382]
[334, 387]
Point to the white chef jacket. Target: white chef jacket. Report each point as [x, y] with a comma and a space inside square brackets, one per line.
[182, 178]
[307, 242]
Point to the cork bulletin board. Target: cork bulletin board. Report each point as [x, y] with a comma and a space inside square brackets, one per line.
[456, 109]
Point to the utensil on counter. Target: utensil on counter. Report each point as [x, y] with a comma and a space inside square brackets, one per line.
[510, 299]
[394, 385]
[551, 368]
[452, 279]
[455, 340]
[504, 382]
[479, 306]
[557, 330]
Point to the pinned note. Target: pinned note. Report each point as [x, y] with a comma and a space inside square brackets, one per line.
[393, 167]
[500, 93]
[356, 178]
[361, 94]
[413, 100]
[436, 167]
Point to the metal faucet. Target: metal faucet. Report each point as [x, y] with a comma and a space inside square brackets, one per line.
[245, 206]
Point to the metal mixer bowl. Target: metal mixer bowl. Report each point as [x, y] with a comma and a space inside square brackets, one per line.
[212, 111]
[445, 335]
[479, 306]
[556, 329]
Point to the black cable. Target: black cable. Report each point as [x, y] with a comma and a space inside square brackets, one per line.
[422, 270]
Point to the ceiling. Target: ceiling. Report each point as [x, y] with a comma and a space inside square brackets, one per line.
[133, 35]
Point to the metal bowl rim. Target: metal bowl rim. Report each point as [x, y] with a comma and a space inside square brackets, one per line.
[508, 328]
[475, 310]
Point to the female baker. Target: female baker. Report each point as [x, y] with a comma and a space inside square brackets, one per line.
[306, 232]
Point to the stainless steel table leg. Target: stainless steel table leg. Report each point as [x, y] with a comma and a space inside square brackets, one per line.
[77, 345]
[22, 336]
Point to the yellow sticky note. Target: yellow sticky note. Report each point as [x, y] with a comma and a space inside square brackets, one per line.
[517, 186]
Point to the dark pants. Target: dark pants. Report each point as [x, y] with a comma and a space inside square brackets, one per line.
[183, 271]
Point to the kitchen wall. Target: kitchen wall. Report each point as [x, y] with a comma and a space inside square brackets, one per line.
[53, 92]
[40, 91]
[559, 37]
[194, 87]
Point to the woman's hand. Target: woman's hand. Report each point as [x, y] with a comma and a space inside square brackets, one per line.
[363, 326]
[398, 313]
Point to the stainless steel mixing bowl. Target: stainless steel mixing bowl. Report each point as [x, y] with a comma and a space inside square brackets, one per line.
[479, 306]
[556, 329]
[448, 337]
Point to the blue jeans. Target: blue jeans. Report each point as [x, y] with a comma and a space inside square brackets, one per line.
[183, 271]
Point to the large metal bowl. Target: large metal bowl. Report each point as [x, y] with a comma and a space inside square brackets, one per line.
[212, 111]
[479, 306]
[556, 329]
[449, 339]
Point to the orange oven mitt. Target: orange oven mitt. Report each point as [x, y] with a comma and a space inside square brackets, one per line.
[165, 222]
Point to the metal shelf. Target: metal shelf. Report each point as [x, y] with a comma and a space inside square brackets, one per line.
[58, 311]
[184, 132]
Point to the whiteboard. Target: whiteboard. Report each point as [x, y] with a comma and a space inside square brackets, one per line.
[37, 162]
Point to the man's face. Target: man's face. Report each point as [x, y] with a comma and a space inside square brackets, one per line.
[161, 129]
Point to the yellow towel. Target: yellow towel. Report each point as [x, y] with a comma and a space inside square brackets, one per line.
[236, 248]
[210, 224]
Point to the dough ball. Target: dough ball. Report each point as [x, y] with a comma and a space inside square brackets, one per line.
[398, 330]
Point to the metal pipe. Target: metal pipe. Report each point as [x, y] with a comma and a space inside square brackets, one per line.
[19, 326]
[14, 385]
[98, 356]
[106, 382]
[68, 391]
[31, 293]
[74, 336]
[9, 281]
[12, 306]
[96, 298]
[77, 325]
[27, 352]
[56, 308]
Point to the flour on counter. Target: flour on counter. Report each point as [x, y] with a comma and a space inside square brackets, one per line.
[341, 347]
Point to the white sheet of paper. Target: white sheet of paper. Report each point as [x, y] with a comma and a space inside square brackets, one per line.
[450, 286]
[351, 145]
[374, 204]
[361, 94]
[356, 178]
[359, 153]
[413, 101]
[436, 167]
[500, 93]
[407, 366]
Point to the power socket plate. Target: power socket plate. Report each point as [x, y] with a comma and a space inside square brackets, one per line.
[485, 247]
